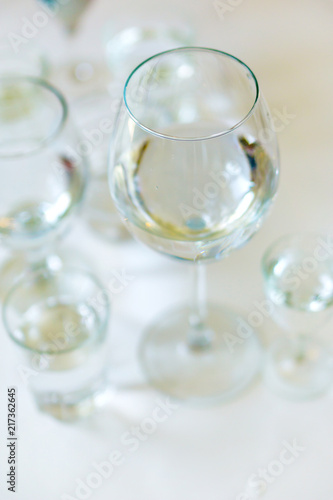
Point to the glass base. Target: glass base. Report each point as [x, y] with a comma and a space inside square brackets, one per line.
[15, 267]
[73, 406]
[202, 371]
[302, 376]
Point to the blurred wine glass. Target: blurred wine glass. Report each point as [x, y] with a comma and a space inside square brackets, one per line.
[76, 70]
[42, 183]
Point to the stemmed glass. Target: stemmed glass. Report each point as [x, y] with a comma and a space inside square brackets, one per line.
[193, 170]
[42, 184]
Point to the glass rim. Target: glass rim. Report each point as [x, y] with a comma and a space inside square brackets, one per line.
[177, 26]
[301, 237]
[191, 139]
[28, 277]
[39, 82]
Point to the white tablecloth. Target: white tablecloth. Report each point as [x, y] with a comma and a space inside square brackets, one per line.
[208, 453]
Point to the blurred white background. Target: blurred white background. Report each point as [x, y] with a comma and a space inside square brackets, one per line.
[211, 452]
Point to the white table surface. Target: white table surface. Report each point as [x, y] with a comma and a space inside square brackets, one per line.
[207, 453]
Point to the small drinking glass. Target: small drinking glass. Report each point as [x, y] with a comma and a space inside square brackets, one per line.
[59, 323]
[298, 279]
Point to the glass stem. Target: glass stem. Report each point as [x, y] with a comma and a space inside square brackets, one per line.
[300, 346]
[199, 335]
[36, 256]
[39, 256]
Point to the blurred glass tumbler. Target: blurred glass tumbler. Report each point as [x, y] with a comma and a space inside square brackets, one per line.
[298, 278]
[59, 326]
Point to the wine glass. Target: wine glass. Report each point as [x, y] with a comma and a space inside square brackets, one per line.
[42, 181]
[193, 170]
[298, 279]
